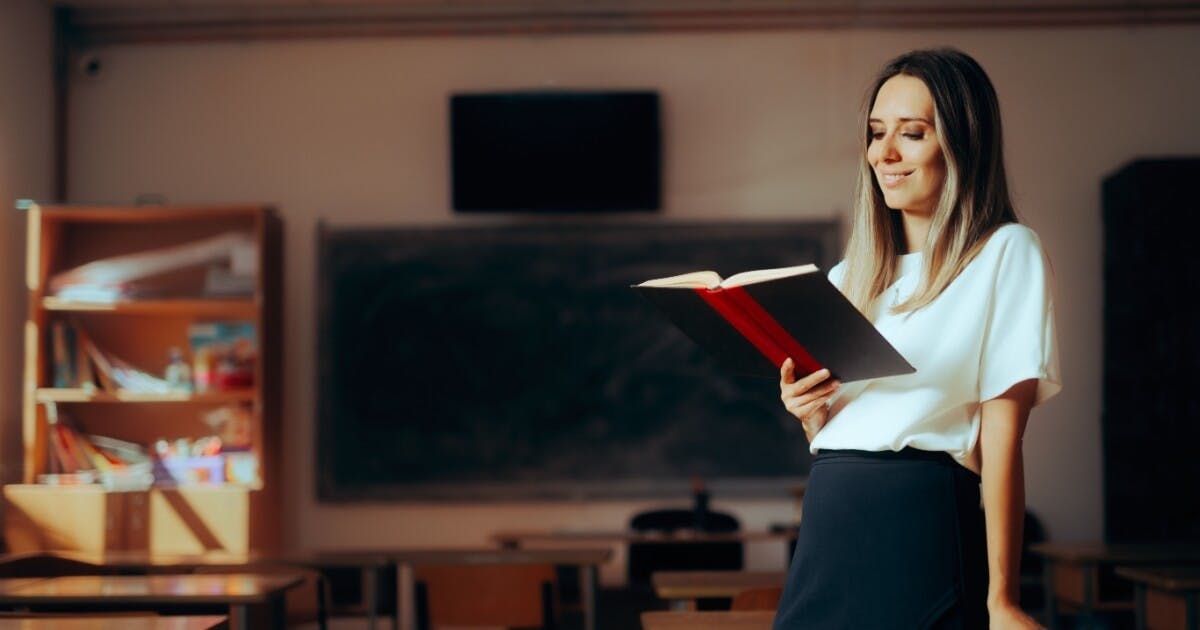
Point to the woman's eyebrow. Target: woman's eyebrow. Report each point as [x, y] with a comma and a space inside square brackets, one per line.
[903, 120]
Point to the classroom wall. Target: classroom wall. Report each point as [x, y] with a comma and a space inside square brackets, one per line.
[756, 124]
[26, 106]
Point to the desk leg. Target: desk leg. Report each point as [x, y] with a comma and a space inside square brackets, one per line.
[1089, 576]
[407, 597]
[1049, 595]
[1193, 616]
[278, 612]
[372, 596]
[1139, 606]
[587, 586]
[390, 569]
[239, 617]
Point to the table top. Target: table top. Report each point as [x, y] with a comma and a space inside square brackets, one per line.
[147, 559]
[1170, 578]
[708, 620]
[630, 536]
[114, 622]
[349, 558]
[698, 584]
[489, 555]
[1148, 553]
[149, 589]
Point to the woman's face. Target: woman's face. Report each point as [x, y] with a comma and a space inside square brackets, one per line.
[903, 150]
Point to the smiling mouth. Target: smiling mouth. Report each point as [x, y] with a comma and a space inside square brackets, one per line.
[891, 179]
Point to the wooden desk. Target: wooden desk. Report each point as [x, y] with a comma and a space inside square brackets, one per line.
[374, 566]
[521, 538]
[1081, 575]
[15, 584]
[84, 622]
[708, 620]
[620, 539]
[238, 592]
[587, 561]
[683, 588]
[1165, 596]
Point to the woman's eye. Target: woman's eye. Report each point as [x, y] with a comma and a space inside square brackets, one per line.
[912, 135]
[876, 135]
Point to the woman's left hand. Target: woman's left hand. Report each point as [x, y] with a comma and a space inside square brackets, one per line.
[1006, 616]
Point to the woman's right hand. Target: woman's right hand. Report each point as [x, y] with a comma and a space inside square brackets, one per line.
[808, 398]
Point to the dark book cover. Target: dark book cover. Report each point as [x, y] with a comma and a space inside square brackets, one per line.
[751, 328]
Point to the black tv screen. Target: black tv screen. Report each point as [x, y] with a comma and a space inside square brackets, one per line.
[546, 151]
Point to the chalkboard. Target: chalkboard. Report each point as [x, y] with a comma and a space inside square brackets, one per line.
[514, 362]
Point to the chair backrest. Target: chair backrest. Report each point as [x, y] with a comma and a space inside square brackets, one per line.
[672, 519]
[644, 558]
[757, 598]
[509, 595]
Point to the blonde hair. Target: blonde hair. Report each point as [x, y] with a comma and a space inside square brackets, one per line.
[974, 200]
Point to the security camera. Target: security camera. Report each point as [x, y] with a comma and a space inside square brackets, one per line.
[89, 65]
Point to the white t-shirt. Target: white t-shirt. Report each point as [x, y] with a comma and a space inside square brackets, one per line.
[992, 328]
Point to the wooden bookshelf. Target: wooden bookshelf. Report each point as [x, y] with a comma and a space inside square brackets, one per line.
[232, 308]
[79, 395]
[184, 518]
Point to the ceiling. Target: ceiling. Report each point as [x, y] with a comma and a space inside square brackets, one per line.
[99, 22]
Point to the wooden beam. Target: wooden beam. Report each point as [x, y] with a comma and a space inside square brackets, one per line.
[106, 26]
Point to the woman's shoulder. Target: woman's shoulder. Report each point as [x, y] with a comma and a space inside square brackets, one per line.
[1012, 237]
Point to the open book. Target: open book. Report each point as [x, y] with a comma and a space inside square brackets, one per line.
[752, 321]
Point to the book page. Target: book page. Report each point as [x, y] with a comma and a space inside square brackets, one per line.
[695, 279]
[762, 275]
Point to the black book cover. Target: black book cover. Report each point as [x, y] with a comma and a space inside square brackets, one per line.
[805, 306]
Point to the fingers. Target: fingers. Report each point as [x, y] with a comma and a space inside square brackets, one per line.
[801, 386]
[803, 405]
[787, 374]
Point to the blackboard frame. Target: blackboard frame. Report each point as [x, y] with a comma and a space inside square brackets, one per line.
[820, 238]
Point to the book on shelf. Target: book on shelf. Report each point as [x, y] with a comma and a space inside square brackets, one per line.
[224, 355]
[70, 360]
[78, 458]
[752, 321]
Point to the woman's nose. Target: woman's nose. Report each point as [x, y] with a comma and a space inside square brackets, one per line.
[888, 151]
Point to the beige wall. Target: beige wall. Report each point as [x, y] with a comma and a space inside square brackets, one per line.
[756, 124]
[26, 106]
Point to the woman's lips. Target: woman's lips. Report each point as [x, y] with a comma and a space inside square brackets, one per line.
[891, 180]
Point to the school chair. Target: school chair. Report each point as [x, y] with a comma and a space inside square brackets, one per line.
[758, 598]
[646, 557]
[508, 595]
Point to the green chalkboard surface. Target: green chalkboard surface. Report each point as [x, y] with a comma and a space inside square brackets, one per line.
[514, 361]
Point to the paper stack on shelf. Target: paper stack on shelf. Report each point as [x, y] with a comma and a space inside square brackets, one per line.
[115, 278]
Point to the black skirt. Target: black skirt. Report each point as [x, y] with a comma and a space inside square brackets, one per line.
[888, 540]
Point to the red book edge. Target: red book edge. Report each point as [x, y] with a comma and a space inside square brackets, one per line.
[754, 323]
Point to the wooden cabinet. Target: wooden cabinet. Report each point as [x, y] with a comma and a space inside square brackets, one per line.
[1151, 345]
[140, 329]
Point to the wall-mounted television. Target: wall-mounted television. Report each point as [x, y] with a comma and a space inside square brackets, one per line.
[555, 151]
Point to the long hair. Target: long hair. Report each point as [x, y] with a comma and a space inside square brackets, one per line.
[974, 200]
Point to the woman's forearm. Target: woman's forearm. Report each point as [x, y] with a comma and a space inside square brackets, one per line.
[1003, 491]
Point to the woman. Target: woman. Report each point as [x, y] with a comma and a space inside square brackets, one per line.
[893, 535]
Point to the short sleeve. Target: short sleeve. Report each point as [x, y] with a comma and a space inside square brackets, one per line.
[1020, 337]
[837, 275]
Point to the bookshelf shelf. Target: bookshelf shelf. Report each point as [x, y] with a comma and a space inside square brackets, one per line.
[80, 395]
[84, 363]
[202, 307]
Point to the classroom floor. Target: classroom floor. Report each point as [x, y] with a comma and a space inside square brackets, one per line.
[619, 609]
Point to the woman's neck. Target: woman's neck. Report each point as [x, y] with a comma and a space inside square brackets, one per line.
[916, 229]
